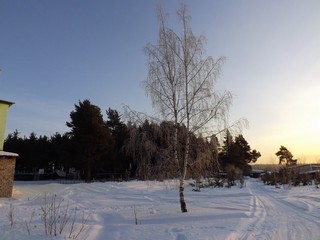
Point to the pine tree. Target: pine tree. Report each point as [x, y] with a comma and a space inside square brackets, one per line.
[120, 134]
[91, 137]
[238, 153]
[225, 155]
[285, 156]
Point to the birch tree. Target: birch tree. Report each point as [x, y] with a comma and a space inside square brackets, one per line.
[181, 84]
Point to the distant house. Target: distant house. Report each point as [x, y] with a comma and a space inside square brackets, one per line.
[256, 173]
[305, 168]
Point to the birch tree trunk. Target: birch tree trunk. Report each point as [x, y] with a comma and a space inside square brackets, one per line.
[183, 204]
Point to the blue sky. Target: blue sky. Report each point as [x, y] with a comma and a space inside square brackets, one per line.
[55, 53]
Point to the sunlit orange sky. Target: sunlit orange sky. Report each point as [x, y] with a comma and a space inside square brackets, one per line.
[55, 53]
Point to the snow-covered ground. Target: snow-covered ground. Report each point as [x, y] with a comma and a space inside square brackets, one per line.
[150, 210]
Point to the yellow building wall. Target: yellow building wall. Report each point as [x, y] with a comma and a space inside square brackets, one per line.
[3, 119]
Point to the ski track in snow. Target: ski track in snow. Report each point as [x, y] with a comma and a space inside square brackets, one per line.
[276, 218]
[113, 208]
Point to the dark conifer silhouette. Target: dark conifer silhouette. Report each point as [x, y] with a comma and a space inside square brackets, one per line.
[92, 139]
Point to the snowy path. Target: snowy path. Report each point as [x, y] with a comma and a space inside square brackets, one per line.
[278, 217]
[255, 212]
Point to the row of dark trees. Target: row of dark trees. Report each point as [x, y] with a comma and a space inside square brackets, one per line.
[113, 149]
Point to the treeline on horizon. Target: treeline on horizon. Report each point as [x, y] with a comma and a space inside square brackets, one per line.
[112, 149]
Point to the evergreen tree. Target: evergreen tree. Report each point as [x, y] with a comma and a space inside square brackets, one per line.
[62, 157]
[285, 156]
[34, 152]
[225, 155]
[14, 143]
[90, 135]
[238, 153]
[243, 154]
[120, 134]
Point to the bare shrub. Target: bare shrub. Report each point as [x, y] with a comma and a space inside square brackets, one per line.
[51, 214]
[74, 233]
[28, 223]
[56, 219]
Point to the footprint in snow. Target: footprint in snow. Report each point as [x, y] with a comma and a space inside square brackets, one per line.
[181, 237]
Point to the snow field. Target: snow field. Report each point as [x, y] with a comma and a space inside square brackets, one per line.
[151, 210]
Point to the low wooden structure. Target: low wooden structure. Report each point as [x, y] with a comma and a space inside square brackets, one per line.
[7, 167]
